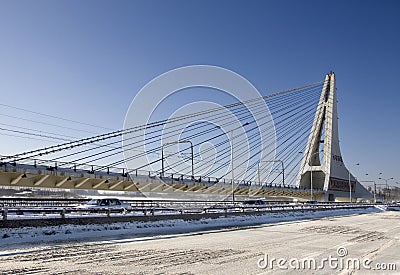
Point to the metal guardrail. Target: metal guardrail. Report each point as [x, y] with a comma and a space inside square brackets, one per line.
[70, 202]
[64, 212]
[40, 202]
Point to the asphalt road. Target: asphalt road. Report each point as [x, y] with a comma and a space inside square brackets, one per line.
[334, 243]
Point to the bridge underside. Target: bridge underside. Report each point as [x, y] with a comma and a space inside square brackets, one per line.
[42, 178]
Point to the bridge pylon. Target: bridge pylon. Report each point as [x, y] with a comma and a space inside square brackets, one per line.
[322, 164]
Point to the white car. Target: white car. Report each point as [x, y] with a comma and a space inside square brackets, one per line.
[252, 205]
[108, 203]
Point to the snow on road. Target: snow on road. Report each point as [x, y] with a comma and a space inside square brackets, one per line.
[51, 233]
[232, 245]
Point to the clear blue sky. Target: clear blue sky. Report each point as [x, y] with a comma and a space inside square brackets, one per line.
[86, 60]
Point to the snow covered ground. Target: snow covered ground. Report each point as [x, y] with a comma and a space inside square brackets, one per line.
[208, 246]
[11, 236]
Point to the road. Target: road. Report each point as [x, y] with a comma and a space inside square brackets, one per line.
[370, 239]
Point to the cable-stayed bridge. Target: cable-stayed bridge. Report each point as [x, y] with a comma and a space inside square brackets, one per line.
[283, 144]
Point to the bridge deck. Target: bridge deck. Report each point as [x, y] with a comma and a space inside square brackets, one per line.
[42, 177]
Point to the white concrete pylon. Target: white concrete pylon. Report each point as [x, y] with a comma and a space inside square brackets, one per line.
[331, 175]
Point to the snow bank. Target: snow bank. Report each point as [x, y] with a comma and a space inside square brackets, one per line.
[10, 236]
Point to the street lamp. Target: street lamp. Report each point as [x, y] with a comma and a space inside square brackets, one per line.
[311, 167]
[233, 175]
[275, 160]
[311, 170]
[387, 186]
[176, 142]
[350, 183]
[371, 181]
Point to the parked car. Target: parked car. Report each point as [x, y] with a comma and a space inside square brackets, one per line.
[253, 203]
[311, 202]
[108, 203]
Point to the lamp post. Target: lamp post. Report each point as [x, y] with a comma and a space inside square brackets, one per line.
[350, 200]
[233, 175]
[274, 160]
[311, 169]
[176, 142]
[382, 184]
[371, 181]
[397, 191]
[387, 186]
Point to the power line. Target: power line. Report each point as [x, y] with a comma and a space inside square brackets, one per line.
[55, 117]
[46, 123]
[32, 134]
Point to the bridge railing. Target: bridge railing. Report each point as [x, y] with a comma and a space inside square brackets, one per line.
[40, 213]
[70, 202]
[75, 170]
